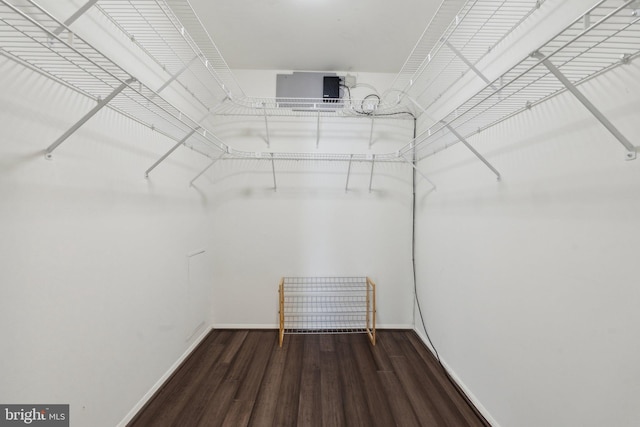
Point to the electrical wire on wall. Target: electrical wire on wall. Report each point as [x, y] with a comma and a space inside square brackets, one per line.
[369, 108]
[413, 255]
[417, 300]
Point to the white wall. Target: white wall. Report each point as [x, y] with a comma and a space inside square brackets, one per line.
[97, 296]
[529, 286]
[309, 226]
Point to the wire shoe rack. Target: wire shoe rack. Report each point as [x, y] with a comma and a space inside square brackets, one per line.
[327, 305]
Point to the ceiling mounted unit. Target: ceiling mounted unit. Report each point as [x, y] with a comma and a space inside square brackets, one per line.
[308, 91]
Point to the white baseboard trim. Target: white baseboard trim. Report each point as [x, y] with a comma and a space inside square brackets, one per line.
[485, 413]
[132, 413]
[245, 326]
[394, 326]
[276, 326]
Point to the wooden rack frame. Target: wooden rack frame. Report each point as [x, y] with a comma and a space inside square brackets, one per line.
[327, 305]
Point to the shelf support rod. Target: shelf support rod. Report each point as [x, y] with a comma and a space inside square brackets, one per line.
[632, 150]
[473, 150]
[273, 171]
[266, 124]
[171, 150]
[468, 63]
[88, 5]
[176, 75]
[213, 162]
[418, 171]
[346, 187]
[86, 117]
[373, 162]
[373, 116]
[421, 108]
[318, 131]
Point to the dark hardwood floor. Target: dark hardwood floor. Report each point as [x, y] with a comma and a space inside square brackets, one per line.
[242, 378]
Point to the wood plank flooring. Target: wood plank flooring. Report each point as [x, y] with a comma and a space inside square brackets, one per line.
[242, 378]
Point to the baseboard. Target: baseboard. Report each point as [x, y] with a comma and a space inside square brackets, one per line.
[245, 326]
[485, 413]
[394, 326]
[163, 379]
[276, 326]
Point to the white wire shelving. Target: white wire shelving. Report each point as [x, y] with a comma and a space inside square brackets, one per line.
[459, 36]
[457, 39]
[33, 37]
[154, 27]
[172, 35]
[606, 36]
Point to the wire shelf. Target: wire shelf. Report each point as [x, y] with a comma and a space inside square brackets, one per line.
[325, 284]
[34, 37]
[327, 305]
[460, 34]
[174, 36]
[153, 26]
[345, 330]
[201, 42]
[604, 37]
[314, 107]
[331, 157]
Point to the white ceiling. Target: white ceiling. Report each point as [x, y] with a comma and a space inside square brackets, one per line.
[316, 35]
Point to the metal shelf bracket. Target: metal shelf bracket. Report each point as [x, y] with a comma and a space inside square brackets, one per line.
[171, 150]
[468, 63]
[48, 152]
[177, 74]
[346, 187]
[88, 5]
[373, 116]
[213, 162]
[266, 124]
[373, 162]
[419, 172]
[631, 149]
[318, 131]
[473, 150]
[273, 171]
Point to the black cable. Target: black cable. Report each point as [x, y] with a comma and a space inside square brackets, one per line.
[455, 385]
[370, 113]
[413, 253]
[394, 114]
[348, 90]
[367, 97]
